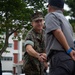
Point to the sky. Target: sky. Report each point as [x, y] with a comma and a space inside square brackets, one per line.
[67, 8]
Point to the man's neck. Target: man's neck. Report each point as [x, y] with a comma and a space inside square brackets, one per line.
[38, 31]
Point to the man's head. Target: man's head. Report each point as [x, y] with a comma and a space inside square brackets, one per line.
[57, 4]
[37, 21]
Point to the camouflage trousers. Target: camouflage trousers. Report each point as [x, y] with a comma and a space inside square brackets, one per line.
[32, 73]
[29, 69]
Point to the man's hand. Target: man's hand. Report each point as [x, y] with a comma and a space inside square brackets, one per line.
[72, 54]
[44, 54]
[46, 65]
[42, 57]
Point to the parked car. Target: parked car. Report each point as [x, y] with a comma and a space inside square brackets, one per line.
[7, 73]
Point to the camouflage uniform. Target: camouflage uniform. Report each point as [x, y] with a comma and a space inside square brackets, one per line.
[32, 66]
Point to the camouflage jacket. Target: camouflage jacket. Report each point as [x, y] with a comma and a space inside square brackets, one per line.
[39, 46]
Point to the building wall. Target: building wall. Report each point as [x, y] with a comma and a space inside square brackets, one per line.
[15, 58]
[15, 52]
[7, 66]
[20, 51]
[7, 58]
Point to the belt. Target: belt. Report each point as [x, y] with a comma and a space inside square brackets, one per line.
[53, 52]
[56, 51]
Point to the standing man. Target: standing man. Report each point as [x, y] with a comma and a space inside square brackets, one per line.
[59, 40]
[35, 56]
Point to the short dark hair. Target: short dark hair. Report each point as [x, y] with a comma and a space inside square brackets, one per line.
[56, 3]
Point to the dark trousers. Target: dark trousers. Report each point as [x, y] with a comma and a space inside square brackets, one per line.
[61, 64]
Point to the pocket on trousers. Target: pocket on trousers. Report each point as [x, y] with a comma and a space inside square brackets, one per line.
[60, 57]
[64, 56]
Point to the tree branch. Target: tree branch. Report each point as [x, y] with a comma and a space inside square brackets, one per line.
[13, 31]
[5, 46]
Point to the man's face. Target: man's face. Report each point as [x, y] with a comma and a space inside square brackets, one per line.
[38, 24]
[48, 6]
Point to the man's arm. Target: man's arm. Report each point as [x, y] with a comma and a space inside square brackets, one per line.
[61, 38]
[32, 52]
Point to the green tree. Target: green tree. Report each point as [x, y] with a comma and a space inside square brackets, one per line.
[37, 5]
[14, 16]
[71, 4]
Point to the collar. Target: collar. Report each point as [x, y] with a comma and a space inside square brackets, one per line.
[59, 11]
[37, 32]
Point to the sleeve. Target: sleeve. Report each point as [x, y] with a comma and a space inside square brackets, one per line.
[52, 23]
[29, 40]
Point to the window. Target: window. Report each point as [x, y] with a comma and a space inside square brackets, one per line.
[10, 45]
[6, 58]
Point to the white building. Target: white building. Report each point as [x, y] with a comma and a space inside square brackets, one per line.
[10, 60]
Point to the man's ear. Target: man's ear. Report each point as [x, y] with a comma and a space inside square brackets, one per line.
[32, 23]
[49, 7]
